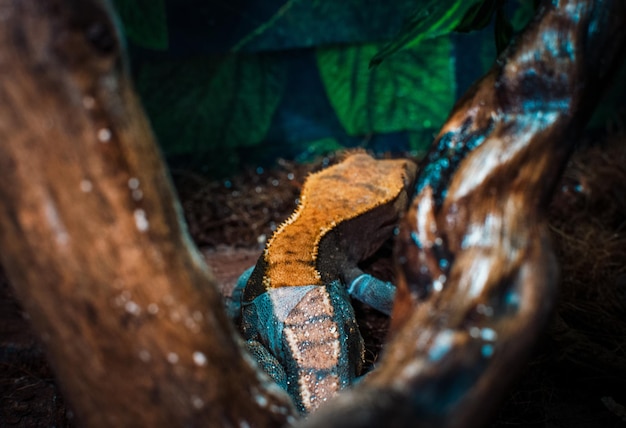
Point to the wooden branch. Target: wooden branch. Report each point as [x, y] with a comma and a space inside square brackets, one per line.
[92, 238]
[477, 273]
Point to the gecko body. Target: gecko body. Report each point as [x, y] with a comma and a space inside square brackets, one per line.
[295, 302]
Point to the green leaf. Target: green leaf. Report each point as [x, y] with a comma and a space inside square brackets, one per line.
[523, 14]
[201, 105]
[433, 18]
[503, 30]
[287, 24]
[413, 90]
[144, 22]
[477, 17]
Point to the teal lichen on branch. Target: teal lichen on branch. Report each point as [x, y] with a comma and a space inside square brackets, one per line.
[477, 274]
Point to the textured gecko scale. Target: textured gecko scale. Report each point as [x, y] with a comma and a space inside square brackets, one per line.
[358, 186]
[295, 302]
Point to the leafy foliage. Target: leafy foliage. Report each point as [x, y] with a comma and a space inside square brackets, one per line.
[523, 14]
[411, 91]
[432, 18]
[285, 24]
[201, 105]
[144, 22]
[503, 31]
[477, 16]
[204, 108]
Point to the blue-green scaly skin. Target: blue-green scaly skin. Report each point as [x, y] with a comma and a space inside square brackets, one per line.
[281, 324]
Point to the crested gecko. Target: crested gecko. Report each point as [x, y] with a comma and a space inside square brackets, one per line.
[295, 307]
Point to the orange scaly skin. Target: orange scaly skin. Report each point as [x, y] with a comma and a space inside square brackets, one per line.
[358, 185]
[295, 302]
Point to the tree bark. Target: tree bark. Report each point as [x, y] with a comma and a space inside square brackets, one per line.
[93, 241]
[477, 274]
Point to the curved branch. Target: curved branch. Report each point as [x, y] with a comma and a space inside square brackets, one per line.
[477, 273]
[92, 237]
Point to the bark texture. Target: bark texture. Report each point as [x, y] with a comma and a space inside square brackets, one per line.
[92, 237]
[477, 274]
